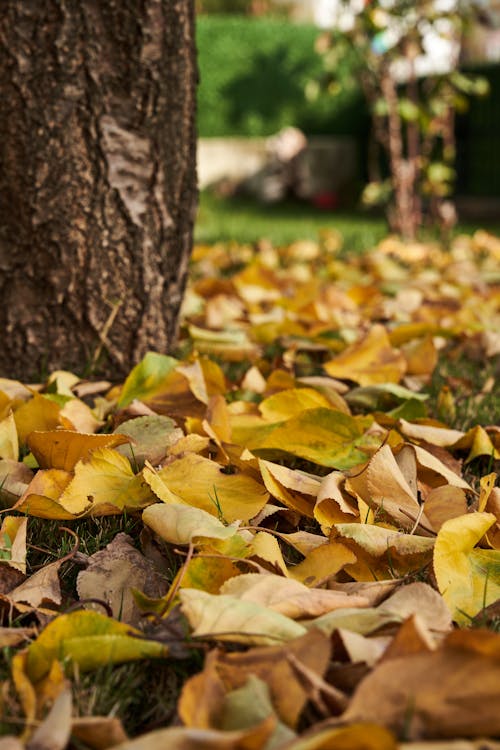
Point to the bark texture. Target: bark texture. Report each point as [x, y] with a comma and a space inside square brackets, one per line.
[97, 180]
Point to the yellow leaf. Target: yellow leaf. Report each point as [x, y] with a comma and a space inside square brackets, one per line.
[41, 498]
[324, 436]
[322, 564]
[468, 578]
[206, 573]
[104, 484]
[39, 413]
[291, 402]
[368, 361]
[13, 542]
[231, 619]
[478, 443]
[90, 640]
[181, 524]
[421, 356]
[9, 444]
[354, 737]
[265, 547]
[218, 420]
[62, 449]
[202, 483]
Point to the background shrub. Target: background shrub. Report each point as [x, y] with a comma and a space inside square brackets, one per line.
[253, 78]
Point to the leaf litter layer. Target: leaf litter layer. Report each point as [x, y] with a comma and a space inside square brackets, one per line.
[294, 524]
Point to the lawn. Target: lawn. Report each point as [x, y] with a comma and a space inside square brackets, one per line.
[246, 220]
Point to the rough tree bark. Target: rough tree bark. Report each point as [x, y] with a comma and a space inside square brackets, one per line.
[97, 180]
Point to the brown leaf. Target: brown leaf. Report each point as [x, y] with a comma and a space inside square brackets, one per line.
[98, 732]
[450, 692]
[113, 572]
[270, 665]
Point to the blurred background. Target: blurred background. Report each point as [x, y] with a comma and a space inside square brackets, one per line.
[285, 127]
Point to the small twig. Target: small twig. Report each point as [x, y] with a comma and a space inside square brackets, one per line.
[173, 591]
[103, 334]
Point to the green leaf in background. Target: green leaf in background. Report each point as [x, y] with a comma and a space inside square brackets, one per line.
[146, 379]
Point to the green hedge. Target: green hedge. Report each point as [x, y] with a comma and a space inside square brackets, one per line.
[253, 76]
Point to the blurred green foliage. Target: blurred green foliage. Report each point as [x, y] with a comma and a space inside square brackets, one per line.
[257, 76]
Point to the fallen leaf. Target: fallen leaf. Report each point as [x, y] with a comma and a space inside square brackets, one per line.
[98, 732]
[468, 577]
[9, 443]
[185, 738]
[228, 618]
[288, 596]
[323, 436]
[182, 524]
[103, 484]
[42, 588]
[369, 361]
[90, 640]
[113, 572]
[358, 736]
[62, 449]
[202, 483]
[443, 503]
[39, 413]
[147, 378]
[270, 664]
[462, 702]
[382, 553]
[55, 730]
[383, 487]
[286, 404]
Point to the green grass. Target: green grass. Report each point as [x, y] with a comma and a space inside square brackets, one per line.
[245, 220]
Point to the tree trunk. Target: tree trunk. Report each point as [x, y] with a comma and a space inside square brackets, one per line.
[97, 180]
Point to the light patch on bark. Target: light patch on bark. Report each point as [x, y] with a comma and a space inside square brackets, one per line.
[130, 167]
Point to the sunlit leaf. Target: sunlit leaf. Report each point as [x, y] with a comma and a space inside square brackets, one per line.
[291, 402]
[182, 524]
[39, 413]
[41, 497]
[9, 443]
[202, 483]
[62, 449]
[468, 576]
[369, 361]
[103, 484]
[324, 436]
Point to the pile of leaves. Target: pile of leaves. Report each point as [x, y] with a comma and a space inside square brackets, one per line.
[312, 507]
